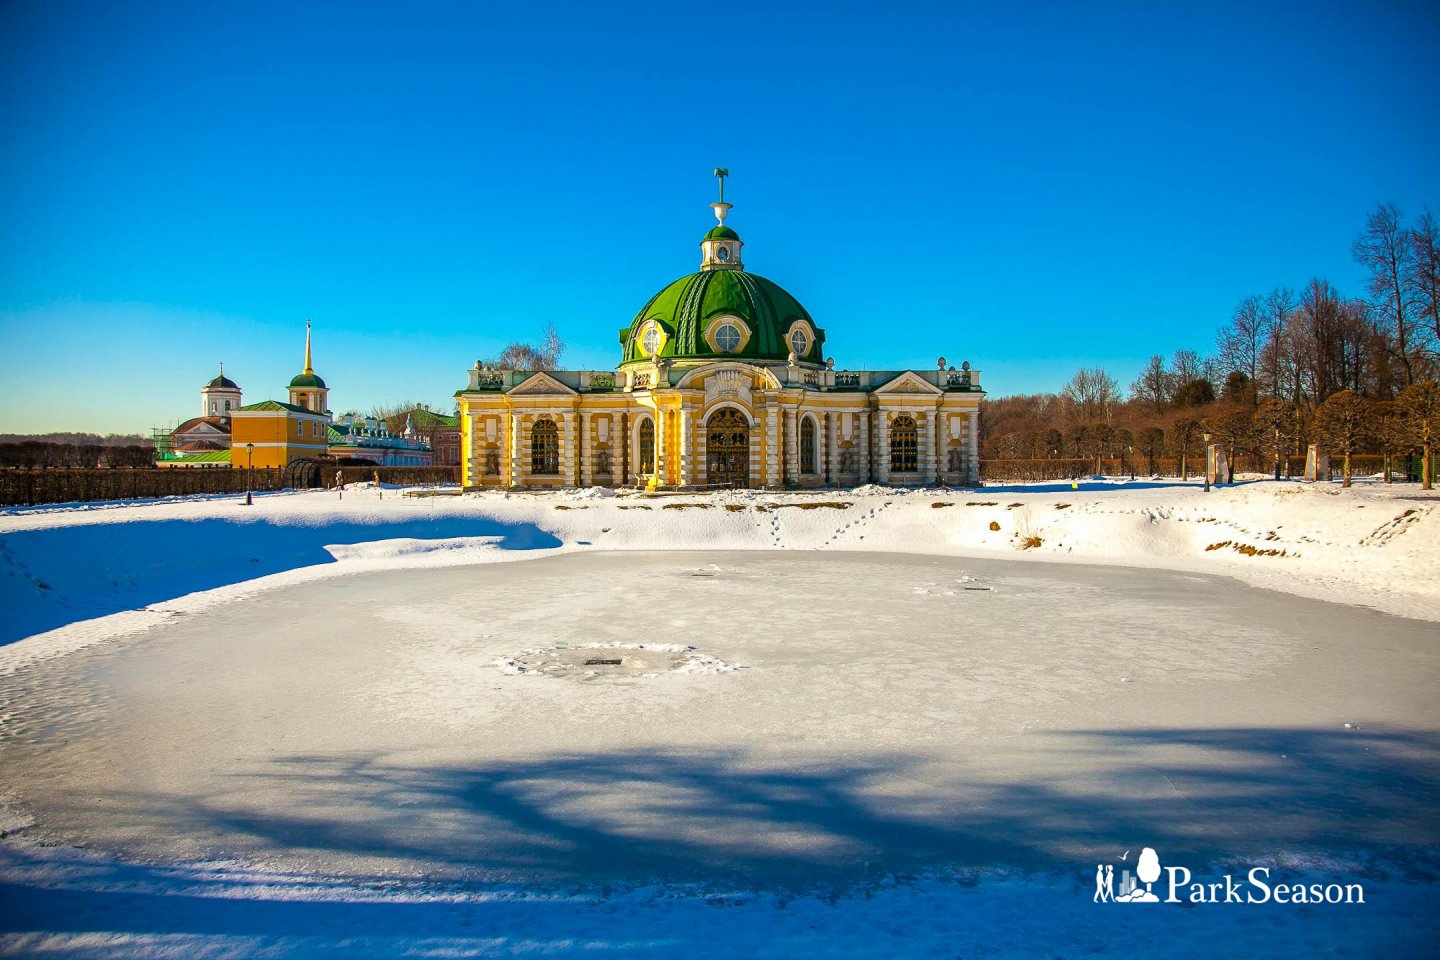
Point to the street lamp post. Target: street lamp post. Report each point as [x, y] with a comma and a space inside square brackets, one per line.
[1209, 461]
[249, 461]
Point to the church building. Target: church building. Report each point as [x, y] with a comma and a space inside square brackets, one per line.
[723, 380]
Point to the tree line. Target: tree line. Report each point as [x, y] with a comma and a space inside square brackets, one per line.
[61, 453]
[1290, 368]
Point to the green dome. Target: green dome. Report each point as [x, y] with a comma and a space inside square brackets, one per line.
[307, 380]
[684, 309]
[721, 232]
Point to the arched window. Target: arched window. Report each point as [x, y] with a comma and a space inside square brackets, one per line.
[807, 445]
[903, 436]
[544, 448]
[647, 446]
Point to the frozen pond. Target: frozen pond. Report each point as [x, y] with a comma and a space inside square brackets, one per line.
[839, 715]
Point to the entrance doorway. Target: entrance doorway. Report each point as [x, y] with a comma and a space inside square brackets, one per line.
[727, 448]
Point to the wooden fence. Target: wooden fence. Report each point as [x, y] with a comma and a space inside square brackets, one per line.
[25, 487]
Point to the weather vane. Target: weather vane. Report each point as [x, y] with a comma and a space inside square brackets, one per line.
[720, 174]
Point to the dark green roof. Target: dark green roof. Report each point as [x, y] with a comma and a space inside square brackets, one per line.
[276, 405]
[685, 307]
[721, 232]
[307, 380]
[427, 419]
[209, 456]
[223, 381]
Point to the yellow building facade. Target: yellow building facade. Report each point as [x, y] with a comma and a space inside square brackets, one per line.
[722, 381]
[272, 434]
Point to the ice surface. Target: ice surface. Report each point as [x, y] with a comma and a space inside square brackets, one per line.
[924, 755]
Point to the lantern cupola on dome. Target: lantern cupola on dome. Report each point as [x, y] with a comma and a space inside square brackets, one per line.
[722, 312]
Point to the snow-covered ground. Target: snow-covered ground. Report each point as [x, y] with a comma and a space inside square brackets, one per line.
[850, 724]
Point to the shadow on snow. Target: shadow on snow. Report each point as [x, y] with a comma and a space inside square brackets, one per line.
[52, 577]
[831, 827]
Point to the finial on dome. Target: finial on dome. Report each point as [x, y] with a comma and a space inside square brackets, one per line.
[308, 368]
[721, 208]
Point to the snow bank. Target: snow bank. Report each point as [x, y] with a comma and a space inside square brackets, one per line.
[72, 575]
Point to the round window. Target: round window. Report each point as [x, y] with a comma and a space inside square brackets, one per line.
[723, 253]
[727, 338]
[651, 341]
[799, 343]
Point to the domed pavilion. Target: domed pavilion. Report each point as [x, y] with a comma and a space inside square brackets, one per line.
[723, 381]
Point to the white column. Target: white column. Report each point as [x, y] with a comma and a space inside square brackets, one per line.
[862, 440]
[942, 449]
[928, 467]
[757, 465]
[619, 447]
[701, 471]
[686, 465]
[832, 431]
[569, 450]
[515, 475]
[585, 451]
[662, 474]
[791, 442]
[822, 442]
[772, 446]
[972, 430]
[471, 474]
[882, 448]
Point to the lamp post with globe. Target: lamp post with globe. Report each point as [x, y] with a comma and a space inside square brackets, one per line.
[249, 461]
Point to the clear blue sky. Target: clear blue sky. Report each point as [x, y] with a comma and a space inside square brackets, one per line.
[1030, 188]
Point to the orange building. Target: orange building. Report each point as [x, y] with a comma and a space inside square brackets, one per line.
[271, 433]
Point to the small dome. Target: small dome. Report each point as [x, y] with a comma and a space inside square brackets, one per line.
[721, 232]
[223, 381]
[307, 380]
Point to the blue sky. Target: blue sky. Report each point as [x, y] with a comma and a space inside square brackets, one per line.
[1031, 188]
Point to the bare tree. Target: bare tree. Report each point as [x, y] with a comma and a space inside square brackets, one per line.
[1419, 405]
[1233, 427]
[1424, 278]
[524, 356]
[552, 347]
[1277, 354]
[1342, 421]
[1150, 440]
[1092, 393]
[1242, 342]
[1186, 366]
[1385, 250]
[1183, 431]
[521, 356]
[1153, 386]
[1275, 425]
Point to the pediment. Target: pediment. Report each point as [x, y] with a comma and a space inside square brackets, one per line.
[910, 382]
[541, 384]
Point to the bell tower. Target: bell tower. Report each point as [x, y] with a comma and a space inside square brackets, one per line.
[307, 389]
[219, 396]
